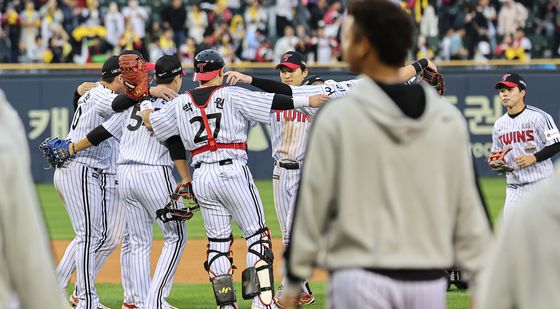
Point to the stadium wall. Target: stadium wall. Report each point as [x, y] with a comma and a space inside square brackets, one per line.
[43, 99]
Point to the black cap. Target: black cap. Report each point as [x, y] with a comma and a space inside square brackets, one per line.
[207, 65]
[512, 80]
[311, 79]
[292, 60]
[168, 66]
[111, 67]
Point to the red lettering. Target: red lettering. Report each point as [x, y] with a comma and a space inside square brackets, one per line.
[520, 136]
[289, 115]
[307, 118]
[530, 136]
[501, 138]
[298, 116]
[507, 138]
[277, 114]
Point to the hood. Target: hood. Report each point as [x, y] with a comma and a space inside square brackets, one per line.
[389, 116]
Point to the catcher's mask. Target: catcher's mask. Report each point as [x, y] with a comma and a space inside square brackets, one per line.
[207, 65]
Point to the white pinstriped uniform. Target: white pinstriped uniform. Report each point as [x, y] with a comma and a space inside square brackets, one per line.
[82, 186]
[223, 191]
[289, 139]
[146, 181]
[528, 133]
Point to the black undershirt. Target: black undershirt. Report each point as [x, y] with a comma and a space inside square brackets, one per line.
[411, 99]
[176, 148]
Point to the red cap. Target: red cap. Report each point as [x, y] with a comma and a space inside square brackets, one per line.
[292, 60]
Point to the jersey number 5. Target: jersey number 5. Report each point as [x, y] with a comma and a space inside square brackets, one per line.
[134, 116]
[199, 137]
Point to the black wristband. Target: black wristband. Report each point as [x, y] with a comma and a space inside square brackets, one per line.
[98, 135]
[420, 65]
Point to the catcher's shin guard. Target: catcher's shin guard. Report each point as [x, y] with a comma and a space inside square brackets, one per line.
[220, 276]
[259, 279]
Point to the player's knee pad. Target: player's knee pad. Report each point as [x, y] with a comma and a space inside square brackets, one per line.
[224, 291]
[259, 279]
[218, 254]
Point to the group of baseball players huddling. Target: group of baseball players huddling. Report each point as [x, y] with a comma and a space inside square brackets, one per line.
[114, 188]
[114, 169]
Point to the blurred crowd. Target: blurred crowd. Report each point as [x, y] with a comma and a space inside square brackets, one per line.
[82, 31]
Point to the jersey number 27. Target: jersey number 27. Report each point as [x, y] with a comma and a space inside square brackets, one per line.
[199, 137]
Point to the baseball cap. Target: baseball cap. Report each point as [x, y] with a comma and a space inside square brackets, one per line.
[111, 67]
[512, 80]
[292, 60]
[207, 65]
[168, 66]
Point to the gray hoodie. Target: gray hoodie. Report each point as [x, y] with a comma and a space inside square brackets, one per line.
[382, 190]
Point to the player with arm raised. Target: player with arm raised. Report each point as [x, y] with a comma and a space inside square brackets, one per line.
[213, 121]
[289, 131]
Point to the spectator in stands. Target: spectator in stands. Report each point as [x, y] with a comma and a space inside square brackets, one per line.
[303, 45]
[130, 39]
[36, 51]
[317, 10]
[154, 32]
[187, 50]
[286, 43]
[92, 14]
[5, 47]
[226, 48]
[445, 47]
[207, 42]
[137, 15]
[51, 17]
[31, 23]
[166, 42]
[264, 52]
[114, 24]
[333, 19]
[457, 48]
[222, 13]
[520, 47]
[255, 16]
[251, 43]
[175, 16]
[73, 15]
[429, 23]
[506, 43]
[511, 17]
[489, 12]
[234, 6]
[154, 49]
[325, 47]
[11, 22]
[422, 50]
[284, 15]
[483, 50]
[197, 22]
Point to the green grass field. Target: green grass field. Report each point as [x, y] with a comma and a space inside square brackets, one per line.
[200, 295]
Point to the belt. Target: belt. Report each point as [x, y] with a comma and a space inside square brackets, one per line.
[223, 162]
[288, 165]
[410, 274]
[215, 146]
[517, 185]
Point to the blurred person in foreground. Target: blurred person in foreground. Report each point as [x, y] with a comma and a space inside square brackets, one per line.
[26, 262]
[522, 272]
[385, 224]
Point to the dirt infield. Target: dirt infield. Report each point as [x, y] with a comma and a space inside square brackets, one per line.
[190, 268]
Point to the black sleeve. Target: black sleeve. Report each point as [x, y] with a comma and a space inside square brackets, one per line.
[98, 135]
[75, 101]
[547, 152]
[122, 103]
[176, 148]
[282, 102]
[271, 86]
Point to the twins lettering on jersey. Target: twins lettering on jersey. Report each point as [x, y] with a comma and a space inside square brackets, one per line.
[291, 115]
[517, 137]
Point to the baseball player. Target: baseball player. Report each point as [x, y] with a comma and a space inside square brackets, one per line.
[111, 223]
[80, 183]
[145, 173]
[289, 131]
[529, 136]
[213, 121]
[366, 206]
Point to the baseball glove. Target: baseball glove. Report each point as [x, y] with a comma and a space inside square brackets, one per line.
[134, 73]
[168, 213]
[55, 150]
[435, 79]
[497, 162]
